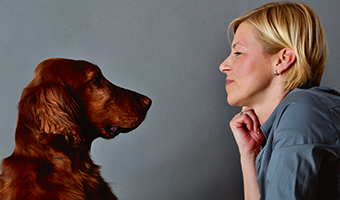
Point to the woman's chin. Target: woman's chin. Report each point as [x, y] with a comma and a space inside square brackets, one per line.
[232, 102]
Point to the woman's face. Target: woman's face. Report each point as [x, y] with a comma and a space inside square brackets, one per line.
[249, 71]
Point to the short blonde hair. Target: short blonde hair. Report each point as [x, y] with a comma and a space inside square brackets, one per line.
[280, 25]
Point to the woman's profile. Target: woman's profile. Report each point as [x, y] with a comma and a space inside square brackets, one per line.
[288, 131]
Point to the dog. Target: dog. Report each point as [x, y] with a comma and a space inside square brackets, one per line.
[66, 106]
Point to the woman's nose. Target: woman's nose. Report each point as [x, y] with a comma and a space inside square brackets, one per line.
[225, 66]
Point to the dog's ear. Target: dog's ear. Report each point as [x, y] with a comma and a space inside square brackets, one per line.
[49, 109]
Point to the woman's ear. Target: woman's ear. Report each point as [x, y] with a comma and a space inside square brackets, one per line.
[286, 58]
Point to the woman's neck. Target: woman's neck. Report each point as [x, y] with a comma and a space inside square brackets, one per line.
[266, 107]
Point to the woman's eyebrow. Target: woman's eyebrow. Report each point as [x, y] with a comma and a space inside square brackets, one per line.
[236, 44]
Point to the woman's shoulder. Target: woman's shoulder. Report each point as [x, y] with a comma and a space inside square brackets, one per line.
[322, 97]
[307, 107]
[308, 116]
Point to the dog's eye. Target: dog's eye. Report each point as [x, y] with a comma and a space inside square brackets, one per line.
[97, 80]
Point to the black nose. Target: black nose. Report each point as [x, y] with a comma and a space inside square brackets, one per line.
[146, 101]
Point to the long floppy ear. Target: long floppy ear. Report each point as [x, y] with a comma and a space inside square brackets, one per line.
[49, 109]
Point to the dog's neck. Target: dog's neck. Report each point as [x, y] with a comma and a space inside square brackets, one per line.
[53, 148]
[66, 157]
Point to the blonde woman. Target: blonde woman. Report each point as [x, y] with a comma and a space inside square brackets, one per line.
[288, 132]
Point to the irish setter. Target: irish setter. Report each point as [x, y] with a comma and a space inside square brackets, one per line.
[67, 105]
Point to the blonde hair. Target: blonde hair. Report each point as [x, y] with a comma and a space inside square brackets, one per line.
[280, 25]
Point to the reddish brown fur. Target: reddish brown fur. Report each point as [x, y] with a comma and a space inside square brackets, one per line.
[63, 109]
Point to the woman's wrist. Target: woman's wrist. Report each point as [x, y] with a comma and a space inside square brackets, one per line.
[247, 160]
[249, 156]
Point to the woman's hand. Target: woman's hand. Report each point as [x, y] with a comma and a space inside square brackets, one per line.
[247, 133]
[248, 136]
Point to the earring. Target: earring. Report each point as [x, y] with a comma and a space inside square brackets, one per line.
[276, 74]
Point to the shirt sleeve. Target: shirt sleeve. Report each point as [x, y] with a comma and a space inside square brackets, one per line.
[300, 149]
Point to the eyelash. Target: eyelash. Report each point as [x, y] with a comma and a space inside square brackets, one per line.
[237, 53]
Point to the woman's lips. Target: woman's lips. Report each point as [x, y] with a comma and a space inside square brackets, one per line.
[228, 82]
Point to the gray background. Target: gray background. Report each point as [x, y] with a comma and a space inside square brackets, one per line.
[169, 50]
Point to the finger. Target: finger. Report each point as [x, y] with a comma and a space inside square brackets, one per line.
[244, 108]
[242, 121]
[254, 117]
[255, 120]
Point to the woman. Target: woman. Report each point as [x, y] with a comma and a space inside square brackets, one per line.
[288, 132]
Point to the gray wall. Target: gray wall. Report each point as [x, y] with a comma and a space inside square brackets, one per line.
[169, 50]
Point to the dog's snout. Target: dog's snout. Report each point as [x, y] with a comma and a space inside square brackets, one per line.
[146, 101]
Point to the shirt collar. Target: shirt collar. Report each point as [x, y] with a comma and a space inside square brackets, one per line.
[267, 125]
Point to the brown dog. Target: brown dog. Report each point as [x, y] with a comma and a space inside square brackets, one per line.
[66, 106]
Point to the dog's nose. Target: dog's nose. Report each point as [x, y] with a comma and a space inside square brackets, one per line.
[146, 101]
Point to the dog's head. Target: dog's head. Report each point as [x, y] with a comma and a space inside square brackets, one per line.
[74, 99]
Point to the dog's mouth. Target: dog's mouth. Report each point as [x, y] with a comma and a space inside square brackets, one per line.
[113, 131]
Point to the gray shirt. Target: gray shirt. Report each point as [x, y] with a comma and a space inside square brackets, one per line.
[300, 155]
